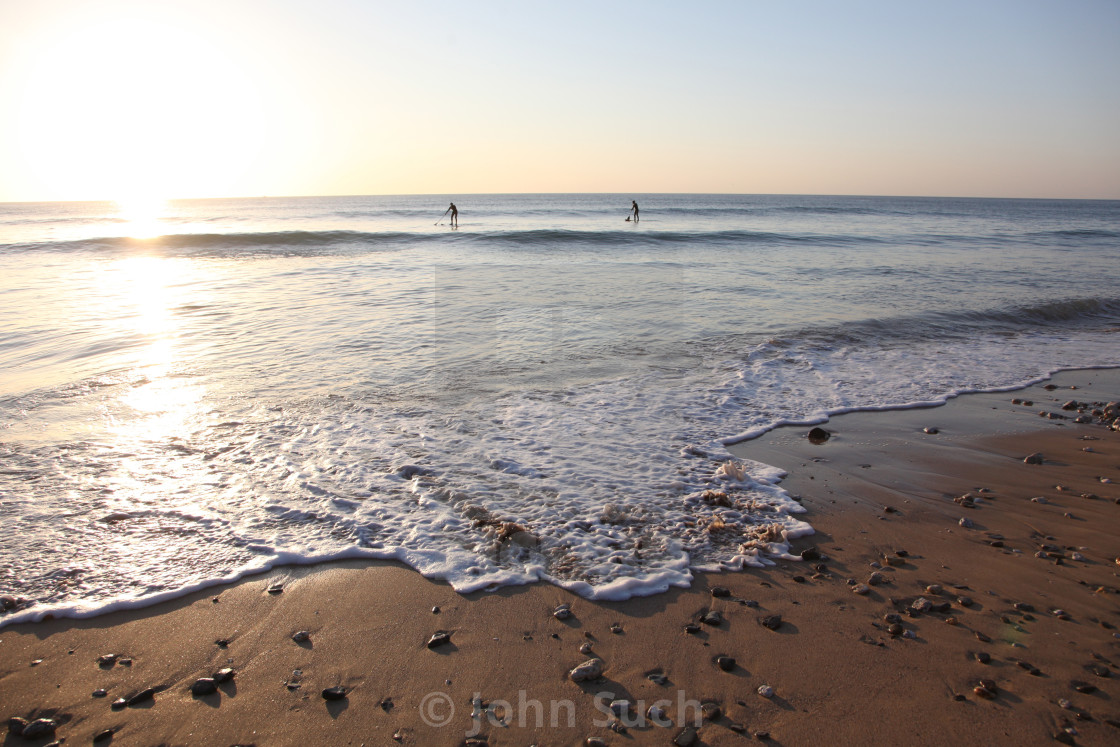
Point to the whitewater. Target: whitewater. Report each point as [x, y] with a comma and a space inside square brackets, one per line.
[207, 390]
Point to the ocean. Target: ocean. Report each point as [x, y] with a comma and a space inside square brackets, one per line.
[194, 391]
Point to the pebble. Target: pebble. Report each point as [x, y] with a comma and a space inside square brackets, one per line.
[895, 629]
[766, 691]
[933, 589]
[964, 601]
[100, 693]
[819, 435]
[876, 579]
[983, 657]
[585, 649]
[712, 617]
[726, 663]
[439, 638]
[102, 735]
[143, 696]
[107, 660]
[616, 628]
[118, 704]
[334, 693]
[931, 430]
[720, 592]
[656, 714]
[691, 628]
[204, 686]
[594, 742]
[38, 728]
[657, 678]
[772, 622]
[966, 522]
[686, 738]
[921, 605]
[276, 588]
[619, 707]
[1035, 458]
[225, 674]
[861, 589]
[562, 612]
[589, 670]
[302, 636]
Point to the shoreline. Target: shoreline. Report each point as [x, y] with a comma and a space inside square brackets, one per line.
[879, 485]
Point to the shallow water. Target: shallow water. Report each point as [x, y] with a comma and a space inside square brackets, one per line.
[197, 393]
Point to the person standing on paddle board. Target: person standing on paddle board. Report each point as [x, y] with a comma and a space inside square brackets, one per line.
[454, 215]
[634, 210]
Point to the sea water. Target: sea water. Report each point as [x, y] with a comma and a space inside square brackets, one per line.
[198, 390]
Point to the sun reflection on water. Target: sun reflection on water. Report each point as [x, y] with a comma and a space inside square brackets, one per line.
[142, 216]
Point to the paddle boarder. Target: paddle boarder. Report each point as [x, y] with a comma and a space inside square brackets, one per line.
[633, 210]
[454, 215]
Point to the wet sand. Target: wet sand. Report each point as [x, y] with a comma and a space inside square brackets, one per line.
[1032, 584]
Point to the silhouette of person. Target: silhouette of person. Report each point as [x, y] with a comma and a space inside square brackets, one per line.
[454, 215]
[634, 210]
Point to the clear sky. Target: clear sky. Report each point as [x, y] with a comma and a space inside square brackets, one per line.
[122, 99]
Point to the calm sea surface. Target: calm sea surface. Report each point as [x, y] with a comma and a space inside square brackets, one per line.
[194, 391]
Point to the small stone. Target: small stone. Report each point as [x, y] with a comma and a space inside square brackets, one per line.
[107, 660]
[118, 704]
[100, 693]
[277, 588]
[102, 735]
[619, 707]
[983, 657]
[772, 622]
[589, 670]
[38, 728]
[965, 601]
[710, 711]
[143, 696]
[811, 554]
[712, 617]
[586, 649]
[439, 638]
[766, 691]
[562, 612]
[762, 736]
[818, 435]
[966, 522]
[981, 637]
[204, 686]
[435, 610]
[657, 678]
[1083, 687]
[1035, 458]
[931, 430]
[334, 693]
[691, 628]
[302, 636]
[656, 714]
[594, 742]
[686, 738]
[876, 579]
[933, 589]
[895, 629]
[921, 605]
[720, 592]
[225, 674]
[726, 663]
[861, 589]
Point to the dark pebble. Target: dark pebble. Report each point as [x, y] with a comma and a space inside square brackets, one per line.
[712, 617]
[16, 725]
[118, 704]
[799, 579]
[99, 693]
[439, 638]
[143, 696]
[276, 589]
[657, 678]
[101, 736]
[386, 704]
[38, 728]
[719, 592]
[204, 686]
[811, 554]
[692, 628]
[726, 663]
[818, 435]
[1083, 687]
[773, 622]
[225, 674]
[1099, 670]
[334, 693]
[983, 657]
[686, 738]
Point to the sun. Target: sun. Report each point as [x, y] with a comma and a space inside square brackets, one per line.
[132, 108]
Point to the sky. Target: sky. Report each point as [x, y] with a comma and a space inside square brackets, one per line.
[127, 100]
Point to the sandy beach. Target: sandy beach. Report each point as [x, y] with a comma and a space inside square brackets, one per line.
[919, 616]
